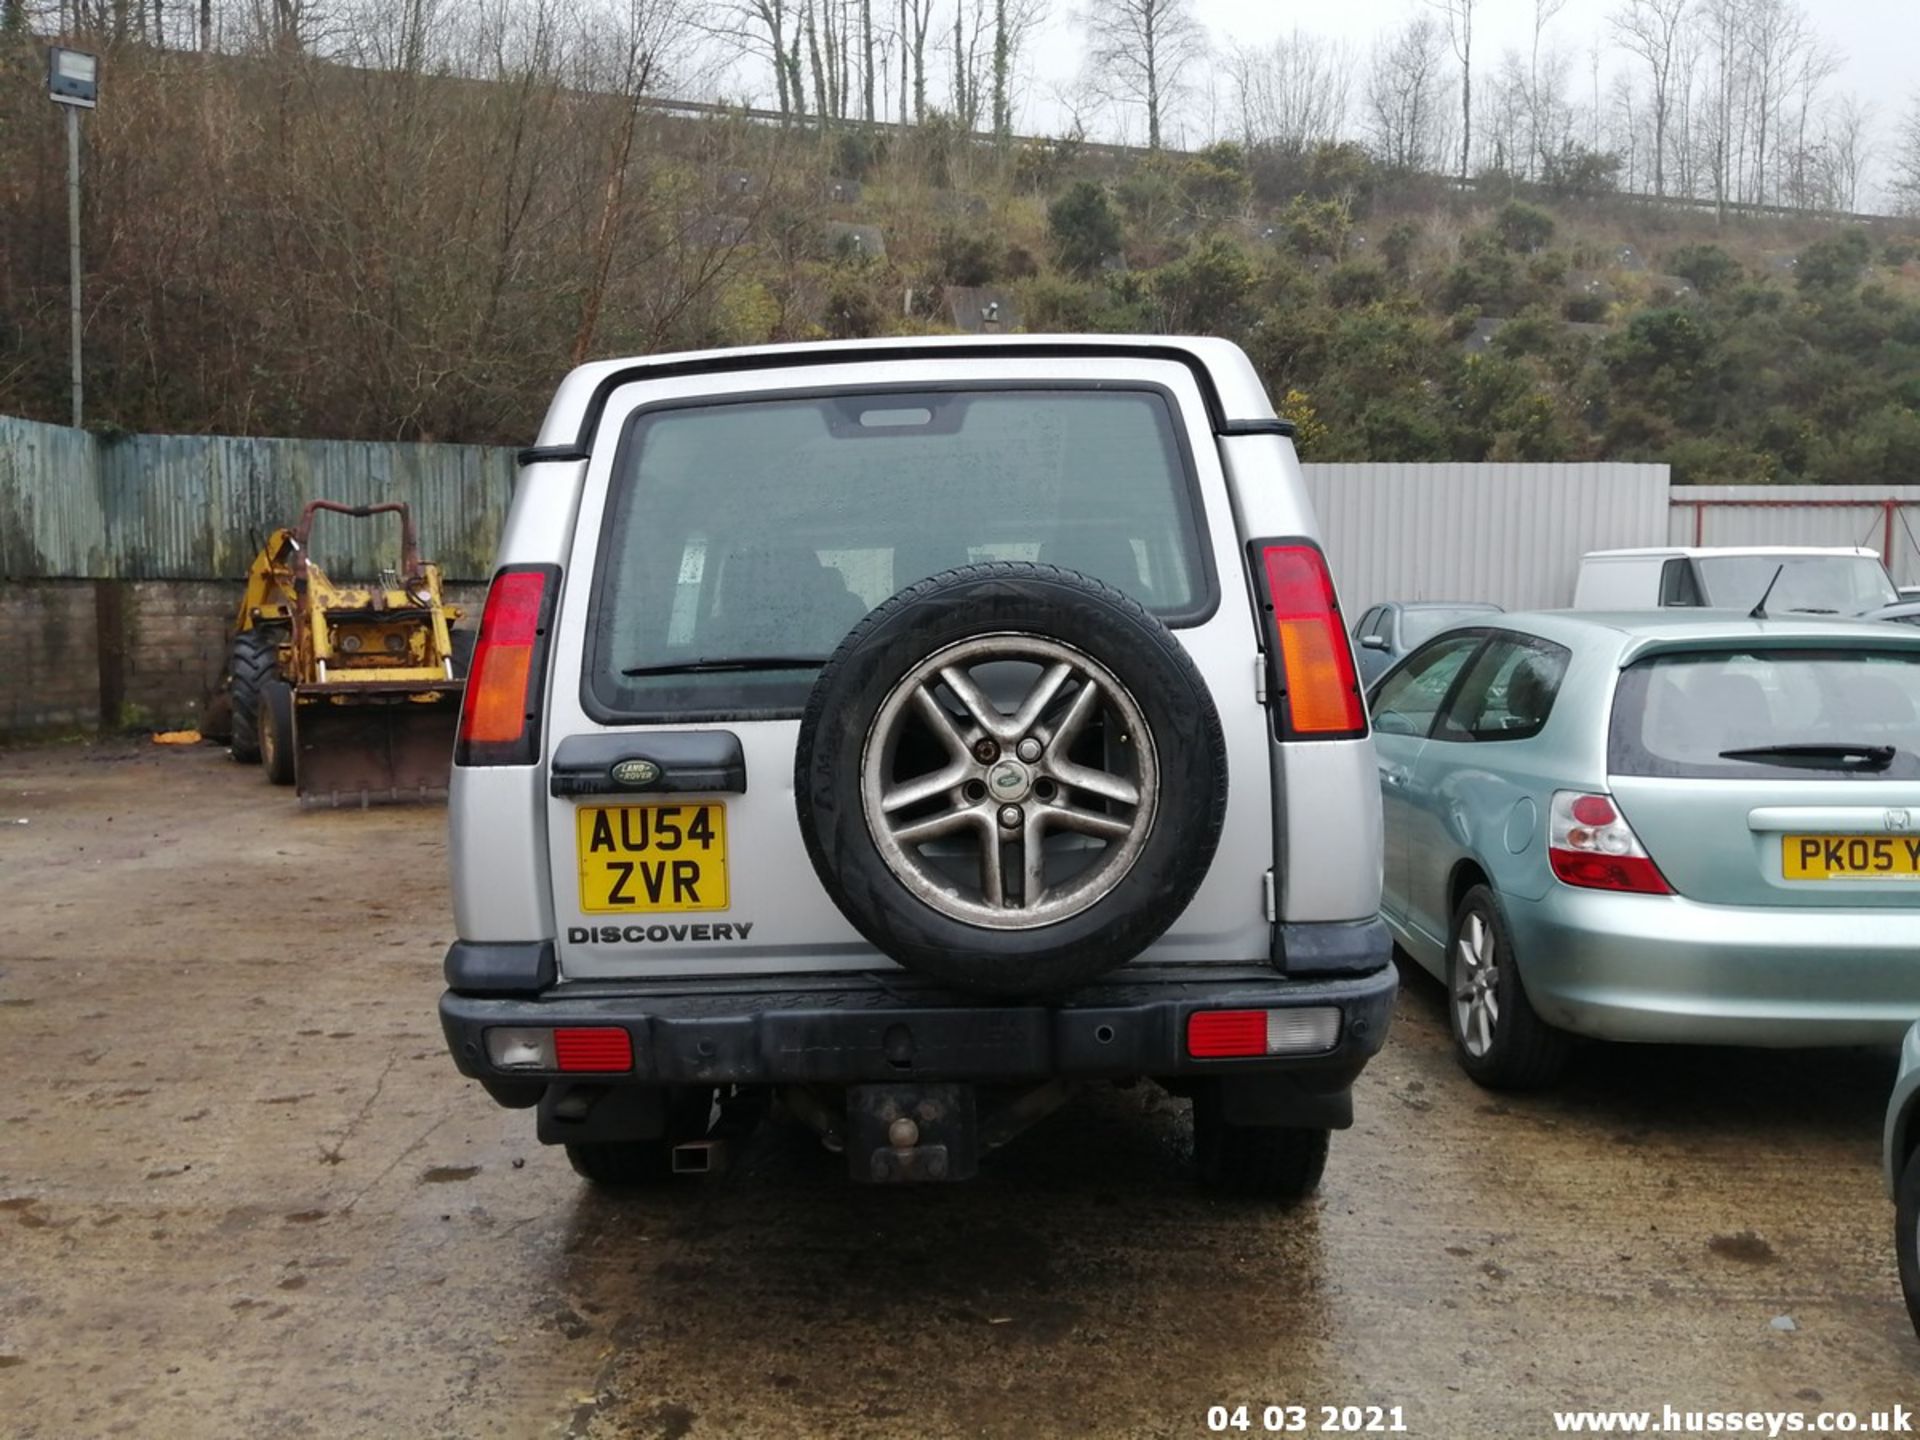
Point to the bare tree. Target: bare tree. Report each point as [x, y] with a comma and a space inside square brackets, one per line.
[767, 30]
[1846, 149]
[1459, 15]
[1541, 107]
[916, 20]
[1404, 95]
[1292, 93]
[1903, 183]
[1138, 53]
[1650, 30]
[1014, 22]
[650, 31]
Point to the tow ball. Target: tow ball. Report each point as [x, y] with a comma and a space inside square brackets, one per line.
[902, 1133]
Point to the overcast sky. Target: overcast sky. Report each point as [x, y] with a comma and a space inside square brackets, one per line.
[1879, 40]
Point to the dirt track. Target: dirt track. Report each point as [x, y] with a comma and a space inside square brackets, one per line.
[242, 1192]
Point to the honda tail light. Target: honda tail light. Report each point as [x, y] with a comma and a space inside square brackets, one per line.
[1313, 660]
[1590, 844]
[500, 712]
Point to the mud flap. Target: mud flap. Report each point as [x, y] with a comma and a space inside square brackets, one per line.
[358, 745]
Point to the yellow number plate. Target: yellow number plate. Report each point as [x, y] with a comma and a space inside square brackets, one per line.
[649, 859]
[1850, 857]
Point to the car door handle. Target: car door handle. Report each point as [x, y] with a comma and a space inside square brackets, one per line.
[1395, 778]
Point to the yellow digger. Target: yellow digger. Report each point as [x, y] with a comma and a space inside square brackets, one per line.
[346, 692]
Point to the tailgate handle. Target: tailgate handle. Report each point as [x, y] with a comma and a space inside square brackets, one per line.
[661, 762]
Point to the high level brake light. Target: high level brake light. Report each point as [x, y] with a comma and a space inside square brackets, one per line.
[499, 714]
[1590, 845]
[1315, 659]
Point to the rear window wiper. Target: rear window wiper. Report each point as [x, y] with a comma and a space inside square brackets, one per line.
[1818, 757]
[710, 665]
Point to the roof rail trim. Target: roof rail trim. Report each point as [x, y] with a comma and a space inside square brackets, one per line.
[582, 447]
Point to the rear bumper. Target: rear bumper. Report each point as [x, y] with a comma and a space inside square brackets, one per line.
[1664, 968]
[889, 1028]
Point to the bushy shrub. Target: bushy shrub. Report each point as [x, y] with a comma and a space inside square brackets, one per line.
[1707, 268]
[1523, 228]
[1215, 182]
[1084, 228]
[1316, 227]
[1357, 282]
[1835, 263]
[1398, 246]
[1206, 292]
[968, 257]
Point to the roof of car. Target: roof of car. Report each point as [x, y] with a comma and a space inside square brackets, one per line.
[1234, 394]
[1709, 551]
[1475, 605]
[1685, 623]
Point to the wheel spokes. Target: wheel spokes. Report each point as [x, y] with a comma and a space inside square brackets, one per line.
[914, 792]
[933, 827]
[1087, 822]
[984, 712]
[1095, 782]
[940, 720]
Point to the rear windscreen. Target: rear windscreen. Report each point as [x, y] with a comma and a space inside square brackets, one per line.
[1779, 714]
[744, 540]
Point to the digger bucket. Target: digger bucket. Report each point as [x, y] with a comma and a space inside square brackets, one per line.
[357, 744]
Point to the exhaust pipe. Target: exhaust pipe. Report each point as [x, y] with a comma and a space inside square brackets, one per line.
[700, 1157]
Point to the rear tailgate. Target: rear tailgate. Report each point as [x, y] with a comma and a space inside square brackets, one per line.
[1781, 774]
[775, 551]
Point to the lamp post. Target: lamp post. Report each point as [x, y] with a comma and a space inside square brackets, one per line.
[73, 80]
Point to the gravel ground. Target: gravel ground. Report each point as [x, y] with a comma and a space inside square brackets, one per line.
[243, 1192]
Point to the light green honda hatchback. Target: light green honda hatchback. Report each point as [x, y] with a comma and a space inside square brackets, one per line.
[1666, 825]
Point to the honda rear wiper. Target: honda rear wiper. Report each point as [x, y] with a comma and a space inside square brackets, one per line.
[707, 665]
[1818, 757]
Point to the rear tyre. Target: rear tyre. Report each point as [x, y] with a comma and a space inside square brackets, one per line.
[1258, 1162]
[275, 719]
[253, 661]
[1906, 1235]
[1501, 1043]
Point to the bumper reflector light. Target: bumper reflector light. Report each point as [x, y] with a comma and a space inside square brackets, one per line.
[1233, 1034]
[516, 1049]
[599, 1048]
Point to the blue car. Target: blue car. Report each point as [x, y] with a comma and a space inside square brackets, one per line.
[1660, 826]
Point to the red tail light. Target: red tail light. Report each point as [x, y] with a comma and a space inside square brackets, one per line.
[597, 1048]
[500, 715]
[1591, 845]
[1220, 1034]
[1315, 660]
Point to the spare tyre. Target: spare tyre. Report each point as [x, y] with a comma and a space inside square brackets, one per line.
[1011, 778]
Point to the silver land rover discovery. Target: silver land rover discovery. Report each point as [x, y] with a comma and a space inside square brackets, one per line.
[910, 734]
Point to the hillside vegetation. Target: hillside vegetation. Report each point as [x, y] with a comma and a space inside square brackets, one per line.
[285, 246]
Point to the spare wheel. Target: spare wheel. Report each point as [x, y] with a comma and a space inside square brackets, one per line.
[1011, 778]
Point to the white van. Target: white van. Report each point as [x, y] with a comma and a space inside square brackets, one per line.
[1812, 580]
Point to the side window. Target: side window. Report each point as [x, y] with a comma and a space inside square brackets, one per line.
[1407, 699]
[1508, 692]
[1678, 584]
